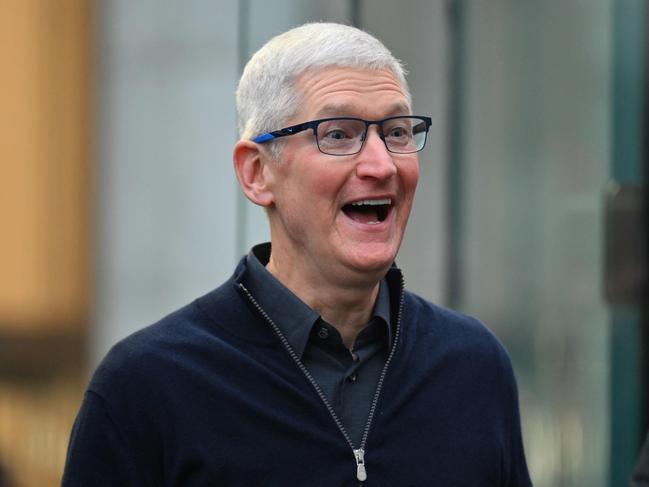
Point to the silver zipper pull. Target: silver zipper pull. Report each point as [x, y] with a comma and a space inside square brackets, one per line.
[361, 473]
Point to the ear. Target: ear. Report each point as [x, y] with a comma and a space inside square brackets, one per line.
[250, 164]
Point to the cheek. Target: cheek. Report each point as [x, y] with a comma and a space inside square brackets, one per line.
[321, 185]
[409, 174]
[308, 195]
[308, 174]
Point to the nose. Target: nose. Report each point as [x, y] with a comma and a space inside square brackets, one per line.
[374, 160]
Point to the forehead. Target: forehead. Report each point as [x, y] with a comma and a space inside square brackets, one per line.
[336, 91]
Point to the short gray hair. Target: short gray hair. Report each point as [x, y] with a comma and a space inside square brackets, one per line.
[266, 96]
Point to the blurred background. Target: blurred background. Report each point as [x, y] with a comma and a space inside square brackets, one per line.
[118, 201]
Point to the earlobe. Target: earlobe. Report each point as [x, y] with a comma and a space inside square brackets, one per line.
[249, 165]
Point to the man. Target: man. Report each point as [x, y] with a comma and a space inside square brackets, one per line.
[311, 365]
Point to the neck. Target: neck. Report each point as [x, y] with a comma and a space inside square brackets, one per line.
[347, 307]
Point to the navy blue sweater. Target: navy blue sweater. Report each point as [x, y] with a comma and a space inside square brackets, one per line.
[211, 396]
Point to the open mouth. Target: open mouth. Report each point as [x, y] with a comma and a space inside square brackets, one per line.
[369, 212]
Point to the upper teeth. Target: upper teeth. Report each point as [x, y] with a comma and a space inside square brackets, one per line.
[385, 201]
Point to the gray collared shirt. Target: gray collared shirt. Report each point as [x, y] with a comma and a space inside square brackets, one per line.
[347, 378]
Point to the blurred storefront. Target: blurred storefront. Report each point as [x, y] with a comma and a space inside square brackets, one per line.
[549, 129]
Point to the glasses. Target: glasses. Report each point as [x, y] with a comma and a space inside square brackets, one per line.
[345, 136]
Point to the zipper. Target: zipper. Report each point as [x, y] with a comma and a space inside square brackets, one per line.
[361, 473]
[359, 453]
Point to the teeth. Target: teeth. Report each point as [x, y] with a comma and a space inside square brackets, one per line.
[385, 201]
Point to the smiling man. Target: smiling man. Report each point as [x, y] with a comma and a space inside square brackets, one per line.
[311, 365]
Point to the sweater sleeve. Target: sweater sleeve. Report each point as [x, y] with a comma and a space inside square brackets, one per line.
[518, 475]
[98, 452]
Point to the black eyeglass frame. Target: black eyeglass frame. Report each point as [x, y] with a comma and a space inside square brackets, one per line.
[313, 124]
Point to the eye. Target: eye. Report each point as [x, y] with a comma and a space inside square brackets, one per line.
[336, 134]
[340, 130]
[398, 132]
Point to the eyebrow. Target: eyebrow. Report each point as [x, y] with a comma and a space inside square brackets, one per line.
[347, 109]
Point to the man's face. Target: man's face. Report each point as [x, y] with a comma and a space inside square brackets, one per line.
[315, 226]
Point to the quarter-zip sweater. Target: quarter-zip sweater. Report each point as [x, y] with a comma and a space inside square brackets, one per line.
[348, 378]
[211, 395]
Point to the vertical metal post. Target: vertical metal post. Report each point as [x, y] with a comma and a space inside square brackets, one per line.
[627, 428]
[456, 62]
[355, 13]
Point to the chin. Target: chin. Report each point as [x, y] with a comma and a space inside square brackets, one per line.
[373, 260]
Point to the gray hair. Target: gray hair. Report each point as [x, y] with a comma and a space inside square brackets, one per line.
[266, 96]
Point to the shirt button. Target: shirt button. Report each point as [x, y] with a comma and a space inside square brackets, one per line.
[323, 333]
[352, 378]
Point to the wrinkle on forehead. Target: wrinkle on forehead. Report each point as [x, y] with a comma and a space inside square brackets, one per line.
[347, 109]
[339, 88]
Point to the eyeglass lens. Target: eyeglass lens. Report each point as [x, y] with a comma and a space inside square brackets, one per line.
[343, 136]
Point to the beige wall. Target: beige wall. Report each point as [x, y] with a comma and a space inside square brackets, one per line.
[46, 73]
[45, 126]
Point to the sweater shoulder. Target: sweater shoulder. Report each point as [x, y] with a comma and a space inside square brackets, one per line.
[451, 328]
[432, 315]
[208, 329]
[146, 352]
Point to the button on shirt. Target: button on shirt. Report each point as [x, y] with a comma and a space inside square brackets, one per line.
[348, 378]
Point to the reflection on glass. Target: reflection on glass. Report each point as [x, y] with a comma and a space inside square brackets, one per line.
[536, 145]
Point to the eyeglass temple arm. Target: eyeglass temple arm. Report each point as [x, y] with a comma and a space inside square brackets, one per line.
[265, 137]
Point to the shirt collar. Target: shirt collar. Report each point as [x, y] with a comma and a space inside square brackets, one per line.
[382, 308]
[294, 317]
